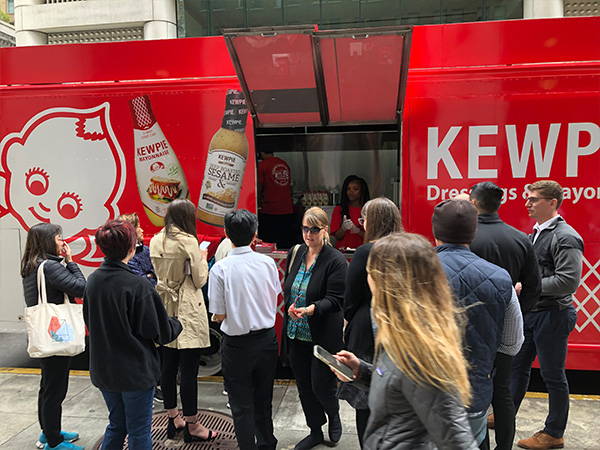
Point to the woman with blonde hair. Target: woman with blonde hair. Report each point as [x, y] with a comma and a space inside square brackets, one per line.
[182, 270]
[379, 217]
[313, 293]
[419, 383]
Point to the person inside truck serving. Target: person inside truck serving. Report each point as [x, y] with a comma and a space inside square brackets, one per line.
[559, 251]
[276, 210]
[345, 220]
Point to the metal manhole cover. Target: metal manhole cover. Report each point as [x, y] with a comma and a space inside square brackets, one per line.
[213, 420]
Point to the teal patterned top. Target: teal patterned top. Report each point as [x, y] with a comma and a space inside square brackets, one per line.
[299, 329]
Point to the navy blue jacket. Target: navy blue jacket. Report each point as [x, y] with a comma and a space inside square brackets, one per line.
[485, 290]
[141, 264]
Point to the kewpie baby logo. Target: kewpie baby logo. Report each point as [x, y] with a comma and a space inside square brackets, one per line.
[65, 167]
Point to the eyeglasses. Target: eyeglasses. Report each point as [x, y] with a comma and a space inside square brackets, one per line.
[536, 199]
[311, 230]
[361, 221]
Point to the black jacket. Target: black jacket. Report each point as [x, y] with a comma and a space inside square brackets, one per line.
[358, 335]
[126, 319]
[511, 249]
[326, 291]
[59, 280]
[408, 416]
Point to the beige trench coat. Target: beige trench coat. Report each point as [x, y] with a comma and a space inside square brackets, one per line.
[181, 293]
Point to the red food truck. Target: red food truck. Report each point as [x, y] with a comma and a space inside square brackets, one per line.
[91, 131]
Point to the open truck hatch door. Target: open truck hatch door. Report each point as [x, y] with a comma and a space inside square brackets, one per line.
[299, 76]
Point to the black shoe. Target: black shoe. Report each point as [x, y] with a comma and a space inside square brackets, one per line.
[172, 430]
[335, 428]
[158, 395]
[312, 440]
[188, 437]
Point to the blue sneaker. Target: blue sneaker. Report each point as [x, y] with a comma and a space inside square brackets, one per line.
[67, 436]
[64, 445]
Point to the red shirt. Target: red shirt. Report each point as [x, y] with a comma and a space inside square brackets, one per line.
[350, 240]
[274, 177]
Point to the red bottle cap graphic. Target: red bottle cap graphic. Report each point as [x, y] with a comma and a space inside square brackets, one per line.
[141, 110]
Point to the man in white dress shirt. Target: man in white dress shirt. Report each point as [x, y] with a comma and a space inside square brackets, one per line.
[243, 290]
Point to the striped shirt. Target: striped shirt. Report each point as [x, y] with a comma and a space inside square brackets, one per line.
[512, 333]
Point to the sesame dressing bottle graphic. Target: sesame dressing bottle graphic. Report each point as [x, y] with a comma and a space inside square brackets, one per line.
[160, 178]
[225, 163]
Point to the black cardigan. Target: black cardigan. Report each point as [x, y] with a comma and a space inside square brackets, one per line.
[358, 334]
[126, 318]
[326, 291]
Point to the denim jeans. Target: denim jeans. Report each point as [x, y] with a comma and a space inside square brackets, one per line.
[129, 413]
[546, 334]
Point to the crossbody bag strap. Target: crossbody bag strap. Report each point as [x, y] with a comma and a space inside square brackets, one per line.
[291, 261]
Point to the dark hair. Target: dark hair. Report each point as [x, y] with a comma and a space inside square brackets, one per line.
[383, 218]
[488, 196]
[548, 188]
[116, 238]
[241, 226]
[40, 243]
[364, 193]
[182, 214]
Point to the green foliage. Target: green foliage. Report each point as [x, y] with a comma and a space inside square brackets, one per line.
[5, 17]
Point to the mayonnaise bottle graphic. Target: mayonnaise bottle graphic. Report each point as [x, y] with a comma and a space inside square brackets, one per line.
[159, 175]
[225, 163]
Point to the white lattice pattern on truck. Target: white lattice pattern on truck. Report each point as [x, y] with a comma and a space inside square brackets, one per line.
[589, 307]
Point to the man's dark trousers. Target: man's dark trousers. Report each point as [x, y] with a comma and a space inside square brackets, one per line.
[546, 333]
[249, 364]
[502, 401]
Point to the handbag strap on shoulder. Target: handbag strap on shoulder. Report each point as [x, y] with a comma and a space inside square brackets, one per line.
[41, 284]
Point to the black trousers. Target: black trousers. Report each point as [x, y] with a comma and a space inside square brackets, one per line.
[362, 418]
[172, 360]
[53, 390]
[317, 385]
[502, 402]
[249, 363]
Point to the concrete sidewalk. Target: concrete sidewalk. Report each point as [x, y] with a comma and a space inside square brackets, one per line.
[84, 411]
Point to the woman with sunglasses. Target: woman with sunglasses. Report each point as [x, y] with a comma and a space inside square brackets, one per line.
[380, 217]
[313, 292]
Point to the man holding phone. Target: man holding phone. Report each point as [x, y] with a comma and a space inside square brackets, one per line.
[243, 290]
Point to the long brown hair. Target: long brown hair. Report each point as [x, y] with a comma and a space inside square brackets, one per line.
[418, 324]
[40, 244]
[181, 214]
[383, 218]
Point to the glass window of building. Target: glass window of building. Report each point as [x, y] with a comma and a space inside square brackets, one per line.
[209, 17]
[10, 7]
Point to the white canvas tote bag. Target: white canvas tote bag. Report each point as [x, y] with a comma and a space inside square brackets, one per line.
[52, 329]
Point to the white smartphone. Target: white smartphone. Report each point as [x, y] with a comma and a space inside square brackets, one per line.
[204, 245]
[343, 370]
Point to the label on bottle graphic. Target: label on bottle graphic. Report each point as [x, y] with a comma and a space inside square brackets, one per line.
[159, 175]
[225, 163]
[222, 181]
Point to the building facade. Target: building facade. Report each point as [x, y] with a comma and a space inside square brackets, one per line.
[39, 22]
[7, 34]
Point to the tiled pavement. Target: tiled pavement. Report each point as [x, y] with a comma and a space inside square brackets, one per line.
[85, 412]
